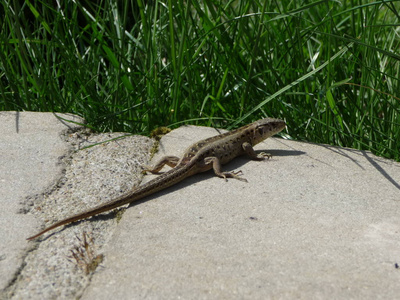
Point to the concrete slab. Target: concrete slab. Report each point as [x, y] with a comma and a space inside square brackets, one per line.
[31, 161]
[104, 165]
[313, 222]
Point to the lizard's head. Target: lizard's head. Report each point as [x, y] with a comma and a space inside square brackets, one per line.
[265, 128]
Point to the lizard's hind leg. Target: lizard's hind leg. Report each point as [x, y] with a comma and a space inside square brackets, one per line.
[171, 161]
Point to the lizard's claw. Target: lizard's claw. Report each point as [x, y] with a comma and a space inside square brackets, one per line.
[264, 155]
[234, 175]
[145, 169]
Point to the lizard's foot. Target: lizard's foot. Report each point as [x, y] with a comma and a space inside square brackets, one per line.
[146, 169]
[264, 155]
[233, 174]
[170, 161]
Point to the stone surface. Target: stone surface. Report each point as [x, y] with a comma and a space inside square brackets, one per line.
[31, 161]
[75, 170]
[314, 221]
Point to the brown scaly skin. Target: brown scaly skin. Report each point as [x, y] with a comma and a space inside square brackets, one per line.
[202, 156]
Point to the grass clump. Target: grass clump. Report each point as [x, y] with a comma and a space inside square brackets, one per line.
[329, 68]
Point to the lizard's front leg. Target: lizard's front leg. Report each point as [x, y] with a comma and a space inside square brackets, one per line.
[171, 161]
[216, 165]
[248, 148]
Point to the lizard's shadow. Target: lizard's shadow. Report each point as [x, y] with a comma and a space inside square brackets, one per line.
[234, 165]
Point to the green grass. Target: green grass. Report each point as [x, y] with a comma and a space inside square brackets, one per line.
[331, 69]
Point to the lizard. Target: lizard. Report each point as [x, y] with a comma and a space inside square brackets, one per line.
[202, 156]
